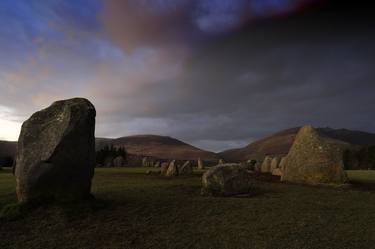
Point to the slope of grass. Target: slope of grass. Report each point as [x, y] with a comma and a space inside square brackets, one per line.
[134, 210]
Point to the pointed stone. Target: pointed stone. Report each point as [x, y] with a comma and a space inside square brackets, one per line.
[315, 159]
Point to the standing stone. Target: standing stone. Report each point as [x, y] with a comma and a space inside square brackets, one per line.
[221, 161]
[315, 159]
[226, 180]
[108, 162]
[282, 163]
[185, 169]
[56, 152]
[251, 164]
[200, 164]
[144, 162]
[277, 172]
[266, 165]
[119, 161]
[275, 164]
[172, 169]
[164, 168]
[157, 164]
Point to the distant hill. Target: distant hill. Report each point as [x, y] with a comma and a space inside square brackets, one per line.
[158, 146]
[276, 144]
[170, 148]
[147, 145]
[8, 148]
[280, 143]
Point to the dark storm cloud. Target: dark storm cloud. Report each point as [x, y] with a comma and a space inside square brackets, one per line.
[218, 74]
[310, 68]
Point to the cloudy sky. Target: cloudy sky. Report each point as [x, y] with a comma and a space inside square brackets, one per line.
[216, 73]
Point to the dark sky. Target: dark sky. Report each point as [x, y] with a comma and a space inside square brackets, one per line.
[216, 73]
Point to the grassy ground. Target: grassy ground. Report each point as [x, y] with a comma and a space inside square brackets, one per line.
[365, 176]
[135, 210]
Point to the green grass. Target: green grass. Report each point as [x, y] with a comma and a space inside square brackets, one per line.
[135, 210]
[366, 176]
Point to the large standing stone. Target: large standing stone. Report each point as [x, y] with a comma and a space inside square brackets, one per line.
[266, 165]
[185, 169]
[221, 161]
[315, 159]
[56, 152]
[119, 161]
[226, 180]
[172, 169]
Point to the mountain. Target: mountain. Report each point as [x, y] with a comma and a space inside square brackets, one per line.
[276, 144]
[158, 146]
[280, 143]
[146, 145]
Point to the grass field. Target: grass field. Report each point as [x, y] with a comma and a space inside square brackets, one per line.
[134, 210]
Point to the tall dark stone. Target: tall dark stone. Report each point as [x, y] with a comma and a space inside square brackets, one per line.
[56, 152]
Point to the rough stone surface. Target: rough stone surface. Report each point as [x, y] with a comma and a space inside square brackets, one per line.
[185, 169]
[200, 164]
[157, 164]
[221, 161]
[119, 161]
[56, 152]
[164, 168]
[277, 172]
[275, 163]
[226, 180]
[315, 159]
[282, 163]
[266, 165]
[172, 169]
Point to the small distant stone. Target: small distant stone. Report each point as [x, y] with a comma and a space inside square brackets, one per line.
[275, 163]
[172, 169]
[164, 168]
[200, 164]
[266, 165]
[119, 161]
[185, 169]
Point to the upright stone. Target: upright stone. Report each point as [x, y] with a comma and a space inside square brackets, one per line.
[315, 159]
[164, 168]
[56, 152]
[185, 169]
[282, 164]
[275, 164]
[172, 169]
[144, 162]
[119, 161]
[266, 165]
[200, 164]
[108, 162]
[221, 161]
